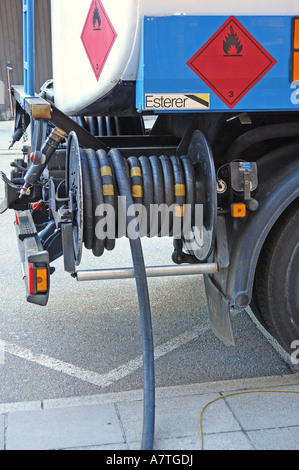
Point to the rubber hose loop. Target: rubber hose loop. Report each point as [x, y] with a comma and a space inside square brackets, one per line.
[108, 195]
[88, 215]
[169, 197]
[137, 193]
[158, 189]
[148, 195]
[179, 193]
[97, 198]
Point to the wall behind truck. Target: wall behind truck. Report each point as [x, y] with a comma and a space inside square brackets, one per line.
[11, 47]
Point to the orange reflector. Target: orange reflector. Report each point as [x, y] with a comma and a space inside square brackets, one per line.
[37, 279]
[42, 280]
[238, 211]
[296, 66]
[295, 52]
[296, 33]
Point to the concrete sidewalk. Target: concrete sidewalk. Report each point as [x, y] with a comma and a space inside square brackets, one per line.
[255, 421]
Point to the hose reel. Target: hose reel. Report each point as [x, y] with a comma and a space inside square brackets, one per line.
[96, 181]
[167, 193]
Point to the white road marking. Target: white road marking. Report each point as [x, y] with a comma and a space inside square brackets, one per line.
[94, 378]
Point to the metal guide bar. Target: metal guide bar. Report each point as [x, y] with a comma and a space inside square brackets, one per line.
[153, 271]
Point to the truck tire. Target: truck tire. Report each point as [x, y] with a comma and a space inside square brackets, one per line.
[276, 288]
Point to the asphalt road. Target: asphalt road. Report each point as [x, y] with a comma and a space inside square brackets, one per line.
[88, 339]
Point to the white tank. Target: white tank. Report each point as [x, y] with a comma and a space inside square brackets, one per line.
[96, 43]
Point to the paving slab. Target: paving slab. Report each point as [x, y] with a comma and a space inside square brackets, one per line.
[177, 417]
[271, 410]
[227, 441]
[275, 439]
[63, 428]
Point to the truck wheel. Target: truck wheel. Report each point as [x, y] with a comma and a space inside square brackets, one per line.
[276, 288]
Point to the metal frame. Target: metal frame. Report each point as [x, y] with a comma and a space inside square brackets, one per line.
[37, 107]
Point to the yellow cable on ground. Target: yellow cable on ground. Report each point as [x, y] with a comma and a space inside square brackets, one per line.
[231, 395]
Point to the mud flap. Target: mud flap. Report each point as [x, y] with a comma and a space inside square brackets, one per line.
[219, 313]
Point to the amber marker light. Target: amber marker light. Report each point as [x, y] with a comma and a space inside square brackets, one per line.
[294, 66]
[41, 280]
[238, 211]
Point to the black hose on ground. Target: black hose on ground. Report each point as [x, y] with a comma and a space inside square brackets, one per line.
[123, 181]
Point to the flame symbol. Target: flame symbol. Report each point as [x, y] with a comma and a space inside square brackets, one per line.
[96, 18]
[232, 45]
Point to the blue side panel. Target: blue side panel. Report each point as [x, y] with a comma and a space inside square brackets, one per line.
[183, 58]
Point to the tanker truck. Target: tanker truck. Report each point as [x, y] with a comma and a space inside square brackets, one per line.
[217, 170]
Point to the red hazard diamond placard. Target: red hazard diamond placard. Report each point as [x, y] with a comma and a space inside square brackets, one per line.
[98, 36]
[231, 62]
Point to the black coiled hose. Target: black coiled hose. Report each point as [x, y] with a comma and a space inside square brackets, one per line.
[145, 181]
[155, 183]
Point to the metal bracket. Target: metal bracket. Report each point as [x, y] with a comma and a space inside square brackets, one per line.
[68, 247]
[38, 108]
[180, 257]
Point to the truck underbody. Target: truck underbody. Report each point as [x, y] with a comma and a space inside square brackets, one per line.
[222, 181]
[237, 245]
